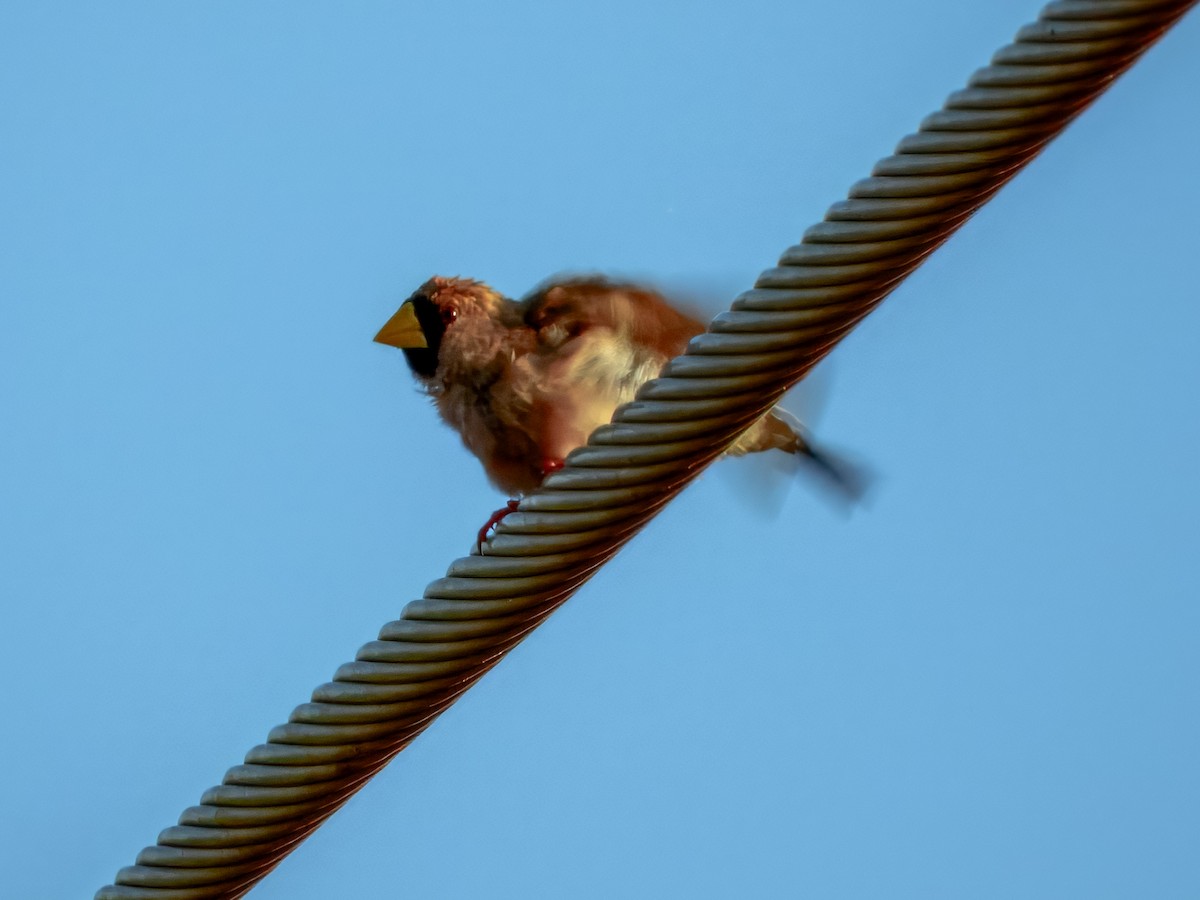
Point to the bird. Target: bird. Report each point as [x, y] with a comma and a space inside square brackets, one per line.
[524, 382]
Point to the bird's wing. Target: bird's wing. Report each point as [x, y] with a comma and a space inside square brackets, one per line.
[564, 310]
[597, 343]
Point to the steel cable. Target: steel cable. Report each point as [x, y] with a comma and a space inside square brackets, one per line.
[541, 554]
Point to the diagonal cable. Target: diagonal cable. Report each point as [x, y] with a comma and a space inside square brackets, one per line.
[794, 315]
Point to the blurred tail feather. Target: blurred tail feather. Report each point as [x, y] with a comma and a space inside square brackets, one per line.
[849, 480]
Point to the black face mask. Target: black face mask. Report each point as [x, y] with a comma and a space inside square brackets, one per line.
[423, 360]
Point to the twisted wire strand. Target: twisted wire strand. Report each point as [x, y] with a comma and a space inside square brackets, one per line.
[797, 311]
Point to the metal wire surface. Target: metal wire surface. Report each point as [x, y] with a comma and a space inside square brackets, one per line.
[796, 313]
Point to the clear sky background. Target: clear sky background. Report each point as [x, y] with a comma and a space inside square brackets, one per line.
[214, 487]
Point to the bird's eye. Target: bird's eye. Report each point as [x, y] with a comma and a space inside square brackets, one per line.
[449, 314]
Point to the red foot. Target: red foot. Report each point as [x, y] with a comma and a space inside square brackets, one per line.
[495, 520]
[551, 464]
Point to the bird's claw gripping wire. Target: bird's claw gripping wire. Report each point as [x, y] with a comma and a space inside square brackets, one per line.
[549, 465]
[494, 520]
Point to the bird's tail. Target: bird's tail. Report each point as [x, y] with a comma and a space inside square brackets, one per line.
[780, 430]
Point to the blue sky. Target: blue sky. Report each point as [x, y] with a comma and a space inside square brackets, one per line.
[214, 488]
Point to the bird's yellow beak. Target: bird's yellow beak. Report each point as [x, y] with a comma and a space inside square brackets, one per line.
[403, 330]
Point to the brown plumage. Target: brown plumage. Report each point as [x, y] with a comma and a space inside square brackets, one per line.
[525, 382]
